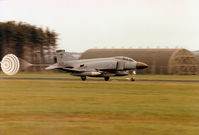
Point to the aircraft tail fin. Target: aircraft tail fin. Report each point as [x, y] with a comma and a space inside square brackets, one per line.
[64, 56]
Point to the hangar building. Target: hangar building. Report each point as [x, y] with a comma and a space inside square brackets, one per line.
[196, 53]
[160, 61]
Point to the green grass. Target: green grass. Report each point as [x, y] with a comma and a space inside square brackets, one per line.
[101, 108]
[168, 77]
[138, 77]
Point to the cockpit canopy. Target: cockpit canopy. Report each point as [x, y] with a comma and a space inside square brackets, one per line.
[124, 58]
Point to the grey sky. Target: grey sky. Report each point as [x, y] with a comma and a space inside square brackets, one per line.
[84, 24]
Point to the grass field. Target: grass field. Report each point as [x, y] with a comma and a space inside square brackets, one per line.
[138, 77]
[30, 107]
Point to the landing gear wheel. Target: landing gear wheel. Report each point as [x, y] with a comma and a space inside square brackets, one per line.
[83, 78]
[133, 76]
[132, 79]
[106, 78]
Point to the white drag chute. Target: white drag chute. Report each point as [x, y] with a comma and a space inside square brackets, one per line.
[11, 64]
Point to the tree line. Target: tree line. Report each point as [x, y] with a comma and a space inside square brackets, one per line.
[27, 41]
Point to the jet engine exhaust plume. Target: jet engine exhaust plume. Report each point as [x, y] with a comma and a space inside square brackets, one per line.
[11, 64]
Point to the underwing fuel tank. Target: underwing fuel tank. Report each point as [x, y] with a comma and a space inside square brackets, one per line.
[87, 74]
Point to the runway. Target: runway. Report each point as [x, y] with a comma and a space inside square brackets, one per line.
[78, 79]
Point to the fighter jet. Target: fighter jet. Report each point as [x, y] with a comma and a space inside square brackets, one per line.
[98, 67]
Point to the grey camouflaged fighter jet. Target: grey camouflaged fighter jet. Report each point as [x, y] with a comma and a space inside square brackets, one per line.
[98, 67]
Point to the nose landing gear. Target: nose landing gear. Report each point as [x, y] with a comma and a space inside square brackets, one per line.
[132, 79]
[133, 75]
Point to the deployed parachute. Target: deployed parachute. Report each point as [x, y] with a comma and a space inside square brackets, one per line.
[11, 64]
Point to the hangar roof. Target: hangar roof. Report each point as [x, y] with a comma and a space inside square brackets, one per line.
[159, 60]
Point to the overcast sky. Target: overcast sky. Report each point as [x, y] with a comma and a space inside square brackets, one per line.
[84, 24]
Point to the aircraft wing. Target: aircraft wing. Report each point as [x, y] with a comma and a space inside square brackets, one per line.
[57, 66]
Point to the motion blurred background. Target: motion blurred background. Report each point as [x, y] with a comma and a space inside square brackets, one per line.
[33, 30]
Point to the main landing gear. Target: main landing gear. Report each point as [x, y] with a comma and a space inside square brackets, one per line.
[83, 78]
[106, 78]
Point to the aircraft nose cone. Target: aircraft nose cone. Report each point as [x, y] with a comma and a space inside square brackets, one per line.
[141, 65]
